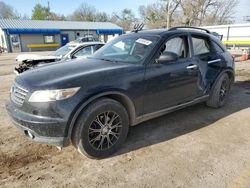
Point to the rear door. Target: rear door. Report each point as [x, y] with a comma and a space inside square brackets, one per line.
[171, 83]
[208, 59]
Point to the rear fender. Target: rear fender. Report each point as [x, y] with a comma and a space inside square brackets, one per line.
[228, 71]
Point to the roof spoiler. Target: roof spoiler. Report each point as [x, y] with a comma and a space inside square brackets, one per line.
[217, 35]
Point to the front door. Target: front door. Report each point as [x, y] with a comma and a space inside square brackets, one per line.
[169, 83]
[64, 39]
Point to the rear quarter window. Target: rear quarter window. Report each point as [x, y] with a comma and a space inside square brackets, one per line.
[217, 47]
[201, 45]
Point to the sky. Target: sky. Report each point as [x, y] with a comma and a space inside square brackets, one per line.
[242, 10]
[68, 6]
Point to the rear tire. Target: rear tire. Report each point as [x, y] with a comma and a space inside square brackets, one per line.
[219, 93]
[101, 129]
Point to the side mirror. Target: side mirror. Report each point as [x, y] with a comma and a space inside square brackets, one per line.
[167, 57]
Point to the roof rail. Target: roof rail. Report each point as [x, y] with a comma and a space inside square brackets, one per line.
[138, 27]
[189, 27]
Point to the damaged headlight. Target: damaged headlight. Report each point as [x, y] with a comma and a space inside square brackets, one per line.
[52, 95]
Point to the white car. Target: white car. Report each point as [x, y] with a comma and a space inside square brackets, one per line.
[87, 38]
[67, 52]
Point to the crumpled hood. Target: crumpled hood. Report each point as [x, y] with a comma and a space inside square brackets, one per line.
[67, 74]
[24, 57]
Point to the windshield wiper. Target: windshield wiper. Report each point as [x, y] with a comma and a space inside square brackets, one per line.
[115, 61]
[103, 59]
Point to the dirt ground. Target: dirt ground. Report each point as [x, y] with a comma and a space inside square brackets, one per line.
[194, 147]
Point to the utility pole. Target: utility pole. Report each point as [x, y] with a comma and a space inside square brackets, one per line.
[48, 11]
[48, 5]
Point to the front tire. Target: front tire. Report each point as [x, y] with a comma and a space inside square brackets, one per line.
[101, 129]
[220, 91]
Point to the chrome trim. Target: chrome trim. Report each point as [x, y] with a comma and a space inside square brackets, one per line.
[18, 94]
[191, 66]
[19, 86]
[214, 61]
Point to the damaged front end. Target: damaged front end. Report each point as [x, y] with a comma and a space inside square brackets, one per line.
[23, 66]
[30, 64]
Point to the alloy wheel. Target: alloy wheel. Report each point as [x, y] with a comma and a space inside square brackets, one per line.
[105, 130]
[223, 90]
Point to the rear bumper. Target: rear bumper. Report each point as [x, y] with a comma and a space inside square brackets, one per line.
[37, 128]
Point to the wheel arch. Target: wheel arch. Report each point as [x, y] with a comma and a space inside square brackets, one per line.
[115, 95]
[229, 72]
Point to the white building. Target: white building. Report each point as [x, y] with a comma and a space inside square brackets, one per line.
[233, 34]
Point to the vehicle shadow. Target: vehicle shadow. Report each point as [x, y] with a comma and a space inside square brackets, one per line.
[185, 121]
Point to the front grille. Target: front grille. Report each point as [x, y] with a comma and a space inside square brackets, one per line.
[18, 94]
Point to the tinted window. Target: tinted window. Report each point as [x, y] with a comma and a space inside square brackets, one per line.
[200, 45]
[84, 40]
[97, 46]
[63, 50]
[84, 52]
[177, 45]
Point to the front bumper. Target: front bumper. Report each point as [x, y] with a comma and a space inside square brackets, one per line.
[41, 129]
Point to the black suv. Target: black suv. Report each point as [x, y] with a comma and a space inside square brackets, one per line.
[134, 78]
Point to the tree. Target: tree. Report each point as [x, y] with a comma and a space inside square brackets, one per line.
[124, 19]
[159, 14]
[54, 16]
[40, 12]
[223, 12]
[207, 12]
[153, 15]
[84, 12]
[195, 11]
[6, 11]
[166, 13]
[102, 17]
[169, 8]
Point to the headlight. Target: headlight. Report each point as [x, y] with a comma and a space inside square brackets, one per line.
[52, 95]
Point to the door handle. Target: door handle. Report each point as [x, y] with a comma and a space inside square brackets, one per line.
[192, 67]
[214, 61]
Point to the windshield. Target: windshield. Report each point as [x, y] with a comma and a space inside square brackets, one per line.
[63, 50]
[130, 48]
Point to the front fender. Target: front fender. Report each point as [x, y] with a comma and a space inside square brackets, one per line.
[116, 95]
